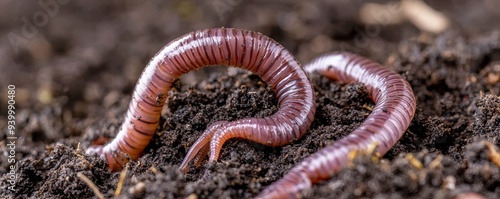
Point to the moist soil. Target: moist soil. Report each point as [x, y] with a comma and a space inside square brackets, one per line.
[74, 77]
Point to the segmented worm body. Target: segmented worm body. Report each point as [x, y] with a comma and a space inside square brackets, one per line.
[391, 116]
[222, 46]
[394, 109]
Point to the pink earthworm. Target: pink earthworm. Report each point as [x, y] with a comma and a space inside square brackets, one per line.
[394, 108]
[391, 116]
[220, 46]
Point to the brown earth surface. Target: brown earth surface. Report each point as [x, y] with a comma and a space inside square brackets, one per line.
[74, 65]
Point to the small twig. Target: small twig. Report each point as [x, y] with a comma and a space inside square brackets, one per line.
[78, 148]
[154, 169]
[425, 17]
[436, 162]
[78, 152]
[367, 107]
[493, 154]
[90, 184]
[414, 162]
[123, 174]
[369, 151]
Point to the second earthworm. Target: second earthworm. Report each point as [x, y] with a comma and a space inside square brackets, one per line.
[394, 109]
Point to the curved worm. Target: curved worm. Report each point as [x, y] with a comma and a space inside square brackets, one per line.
[221, 46]
[394, 109]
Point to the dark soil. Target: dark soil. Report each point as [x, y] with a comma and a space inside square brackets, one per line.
[75, 74]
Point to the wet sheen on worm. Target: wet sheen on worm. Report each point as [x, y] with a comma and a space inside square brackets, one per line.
[394, 109]
[394, 104]
[220, 46]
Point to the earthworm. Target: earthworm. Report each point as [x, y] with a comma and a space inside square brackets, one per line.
[394, 108]
[220, 46]
[391, 116]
